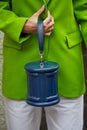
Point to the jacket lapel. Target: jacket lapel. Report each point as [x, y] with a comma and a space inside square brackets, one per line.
[46, 1]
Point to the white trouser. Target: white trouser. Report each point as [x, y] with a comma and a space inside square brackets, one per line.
[67, 115]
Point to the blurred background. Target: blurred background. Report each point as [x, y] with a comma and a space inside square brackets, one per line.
[43, 122]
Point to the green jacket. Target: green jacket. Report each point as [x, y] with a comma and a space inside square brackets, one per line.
[63, 46]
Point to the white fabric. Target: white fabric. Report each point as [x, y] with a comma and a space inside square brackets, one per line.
[67, 115]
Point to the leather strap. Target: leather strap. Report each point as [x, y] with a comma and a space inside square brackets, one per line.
[41, 36]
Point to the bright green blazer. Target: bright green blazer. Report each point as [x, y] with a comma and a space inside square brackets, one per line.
[63, 46]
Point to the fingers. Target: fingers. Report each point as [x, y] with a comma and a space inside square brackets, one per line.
[48, 34]
[48, 24]
[48, 19]
[40, 11]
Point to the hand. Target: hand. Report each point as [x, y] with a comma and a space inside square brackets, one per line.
[31, 24]
[48, 24]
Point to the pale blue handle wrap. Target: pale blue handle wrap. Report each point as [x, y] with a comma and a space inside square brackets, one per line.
[40, 36]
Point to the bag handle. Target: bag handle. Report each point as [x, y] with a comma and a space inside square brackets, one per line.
[41, 41]
[40, 36]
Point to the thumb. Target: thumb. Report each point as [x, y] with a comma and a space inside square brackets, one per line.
[40, 11]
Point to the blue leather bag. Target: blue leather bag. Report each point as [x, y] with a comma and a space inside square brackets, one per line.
[42, 78]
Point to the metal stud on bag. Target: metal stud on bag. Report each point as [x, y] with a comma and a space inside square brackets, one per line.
[42, 78]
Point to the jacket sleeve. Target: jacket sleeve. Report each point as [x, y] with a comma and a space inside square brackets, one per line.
[10, 23]
[80, 10]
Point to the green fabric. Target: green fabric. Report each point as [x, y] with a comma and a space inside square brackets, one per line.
[63, 46]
